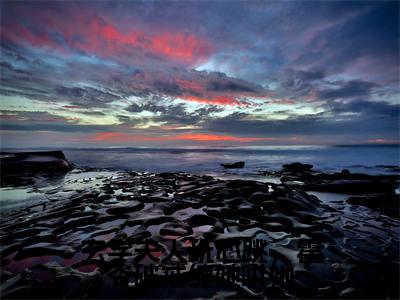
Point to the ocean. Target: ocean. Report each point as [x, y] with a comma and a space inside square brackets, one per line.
[363, 159]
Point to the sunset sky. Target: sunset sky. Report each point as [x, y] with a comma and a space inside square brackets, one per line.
[171, 73]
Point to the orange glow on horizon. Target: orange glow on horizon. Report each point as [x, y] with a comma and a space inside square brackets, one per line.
[118, 137]
[210, 137]
[383, 141]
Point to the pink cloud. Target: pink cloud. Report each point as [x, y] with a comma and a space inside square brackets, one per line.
[82, 30]
[384, 141]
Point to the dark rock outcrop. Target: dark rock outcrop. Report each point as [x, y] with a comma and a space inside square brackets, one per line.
[303, 176]
[34, 162]
[15, 165]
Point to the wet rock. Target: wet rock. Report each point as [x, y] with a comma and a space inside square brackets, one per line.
[353, 186]
[226, 193]
[200, 220]
[106, 196]
[297, 167]
[28, 163]
[302, 176]
[138, 236]
[91, 224]
[274, 227]
[125, 207]
[234, 202]
[352, 293]
[259, 197]
[384, 202]
[286, 222]
[170, 208]
[247, 210]
[275, 292]
[75, 222]
[23, 233]
[119, 239]
[345, 172]
[43, 249]
[92, 246]
[235, 165]
[104, 232]
[174, 229]
[17, 285]
[240, 183]
[154, 199]
[5, 275]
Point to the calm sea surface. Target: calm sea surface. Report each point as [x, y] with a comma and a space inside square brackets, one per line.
[198, 160]
[207, 160]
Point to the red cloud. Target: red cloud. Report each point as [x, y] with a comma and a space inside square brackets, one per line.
[118, 137]
[87, 32]
[183, 47]
[219, 100]
[191, 87]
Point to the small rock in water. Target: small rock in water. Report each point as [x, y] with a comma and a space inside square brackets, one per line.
[297, 167]
[235, 165]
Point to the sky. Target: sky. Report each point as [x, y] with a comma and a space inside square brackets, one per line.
[177, 73]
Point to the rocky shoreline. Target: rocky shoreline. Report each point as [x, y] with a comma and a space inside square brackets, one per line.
[373, 191]
[70, 245]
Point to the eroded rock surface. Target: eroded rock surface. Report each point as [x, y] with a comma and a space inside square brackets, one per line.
[66, 248]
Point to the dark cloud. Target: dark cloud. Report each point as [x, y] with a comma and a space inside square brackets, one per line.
[167, 88]
[299, 82]
[366, 108]
[359, 118]
[14, 55]
[360, 37]
[310, 75]
[56, 127]
[86, 96]
[43, 121]
[308, 126]
[8, 66]
[354, 88]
